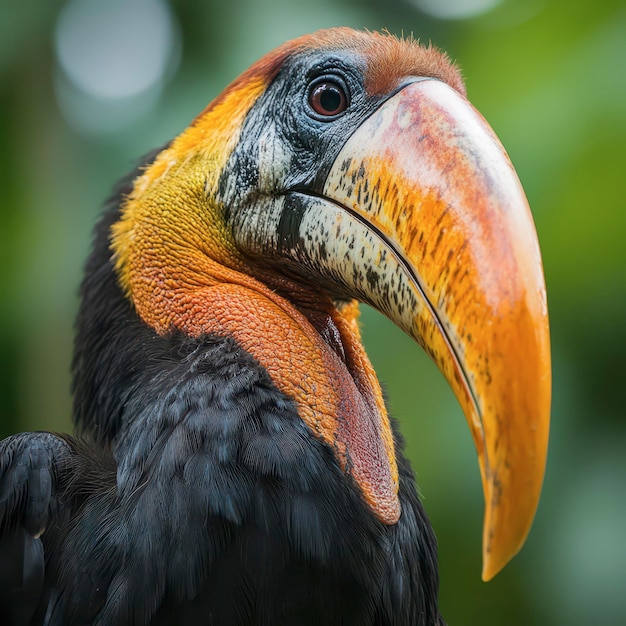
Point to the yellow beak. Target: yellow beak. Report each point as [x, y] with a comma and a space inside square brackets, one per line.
[455, 263]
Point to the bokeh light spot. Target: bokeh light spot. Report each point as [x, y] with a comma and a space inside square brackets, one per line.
[455, 9]
[114, 57]
[114, 49]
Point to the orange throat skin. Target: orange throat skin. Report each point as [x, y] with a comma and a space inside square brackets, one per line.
[334, 387]
[179, 266]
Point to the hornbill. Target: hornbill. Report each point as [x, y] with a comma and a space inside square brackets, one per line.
[234, 462]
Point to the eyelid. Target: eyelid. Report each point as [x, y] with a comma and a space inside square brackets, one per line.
[327, 77]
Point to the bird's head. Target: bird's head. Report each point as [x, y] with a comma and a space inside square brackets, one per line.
[346, 167]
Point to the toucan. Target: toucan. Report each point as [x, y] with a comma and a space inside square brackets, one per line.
[234, 462]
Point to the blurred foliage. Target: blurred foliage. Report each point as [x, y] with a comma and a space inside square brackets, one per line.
[549, 76]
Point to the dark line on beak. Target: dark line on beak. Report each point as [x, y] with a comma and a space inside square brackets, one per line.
[414, 277]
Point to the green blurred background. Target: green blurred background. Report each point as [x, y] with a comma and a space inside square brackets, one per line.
[88, 86]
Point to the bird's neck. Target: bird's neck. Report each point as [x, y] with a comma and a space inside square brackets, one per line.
[181, 270]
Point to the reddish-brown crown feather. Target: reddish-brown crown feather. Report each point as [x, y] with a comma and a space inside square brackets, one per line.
[389, 59]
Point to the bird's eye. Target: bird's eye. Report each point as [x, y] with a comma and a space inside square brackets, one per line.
[328, 98]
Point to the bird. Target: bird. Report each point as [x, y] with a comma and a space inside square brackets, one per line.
[233, 460]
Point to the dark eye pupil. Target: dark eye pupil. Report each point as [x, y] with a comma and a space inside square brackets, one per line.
[328, 99]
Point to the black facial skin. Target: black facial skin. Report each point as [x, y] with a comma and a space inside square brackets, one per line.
[313, 139]
[288, 146]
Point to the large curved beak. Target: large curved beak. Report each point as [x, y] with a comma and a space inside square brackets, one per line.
[456, 264]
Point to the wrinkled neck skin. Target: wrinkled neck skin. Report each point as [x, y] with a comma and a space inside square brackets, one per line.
[178, 264]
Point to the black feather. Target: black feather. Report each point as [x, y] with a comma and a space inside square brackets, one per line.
[195, 494]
